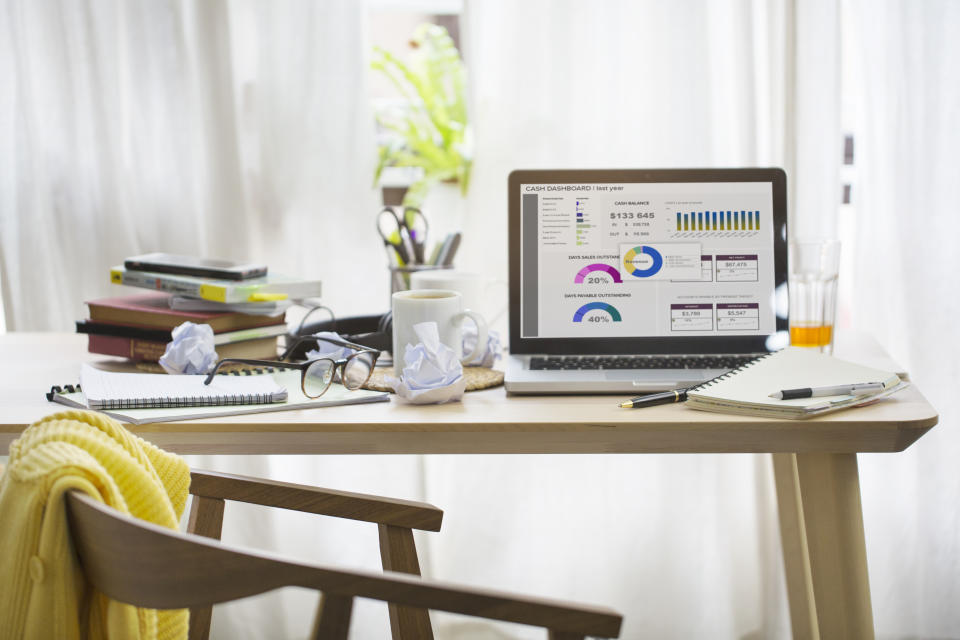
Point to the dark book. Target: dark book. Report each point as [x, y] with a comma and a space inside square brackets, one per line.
[165, 335]
[151, 351]
[152, 310]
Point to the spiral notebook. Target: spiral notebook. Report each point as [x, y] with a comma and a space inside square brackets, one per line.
[110, 390]
[145, 398]
[746, 390]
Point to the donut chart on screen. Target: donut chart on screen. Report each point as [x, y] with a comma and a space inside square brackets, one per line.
[599, 266]
[597, 306]
[633, 270]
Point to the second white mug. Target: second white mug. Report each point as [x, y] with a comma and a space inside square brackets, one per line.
[442, 306]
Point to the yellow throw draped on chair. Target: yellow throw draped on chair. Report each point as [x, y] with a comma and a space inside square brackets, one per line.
[45, 593]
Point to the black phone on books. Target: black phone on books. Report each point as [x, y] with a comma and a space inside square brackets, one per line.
[195, 266]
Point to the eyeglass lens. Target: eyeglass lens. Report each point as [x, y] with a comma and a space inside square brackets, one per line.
[317, 377]
[357, 370]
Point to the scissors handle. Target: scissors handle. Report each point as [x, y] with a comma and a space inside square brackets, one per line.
[416, 225]
[393, 233]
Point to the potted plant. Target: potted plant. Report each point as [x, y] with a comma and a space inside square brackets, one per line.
[427, 128]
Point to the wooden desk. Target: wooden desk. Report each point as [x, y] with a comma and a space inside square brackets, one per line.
[815, 462]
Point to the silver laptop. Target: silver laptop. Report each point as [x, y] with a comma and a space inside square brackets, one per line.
[635, 281]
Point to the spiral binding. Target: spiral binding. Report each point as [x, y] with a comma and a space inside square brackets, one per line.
[185, 401]
[67, 388]
[732, 372]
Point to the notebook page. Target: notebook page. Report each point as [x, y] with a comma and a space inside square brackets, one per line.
[791, 368]
[107, 388]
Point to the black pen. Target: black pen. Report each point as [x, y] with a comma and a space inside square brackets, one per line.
[667, 397]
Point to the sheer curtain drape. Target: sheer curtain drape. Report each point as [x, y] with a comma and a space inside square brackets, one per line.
[235, 129]
[232, 129]
[905, 261]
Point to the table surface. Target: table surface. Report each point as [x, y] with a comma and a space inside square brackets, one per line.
[487, 421]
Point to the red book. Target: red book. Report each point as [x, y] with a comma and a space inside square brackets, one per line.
[153, 310]
[149, 351]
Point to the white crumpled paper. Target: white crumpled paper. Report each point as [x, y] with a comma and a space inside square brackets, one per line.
[432, 373]
[328, 349]
[488, 357]
[191, 350]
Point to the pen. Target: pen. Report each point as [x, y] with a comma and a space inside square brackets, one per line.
[452, 249]
[837, 390]
[667, 397]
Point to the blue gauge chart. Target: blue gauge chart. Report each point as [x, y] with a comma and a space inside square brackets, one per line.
[597, 312]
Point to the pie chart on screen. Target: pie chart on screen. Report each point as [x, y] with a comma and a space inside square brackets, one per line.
[642, 261]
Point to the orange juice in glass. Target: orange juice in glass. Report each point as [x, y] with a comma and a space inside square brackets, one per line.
[814, 266]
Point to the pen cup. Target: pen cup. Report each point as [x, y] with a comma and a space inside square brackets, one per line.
[814, 267]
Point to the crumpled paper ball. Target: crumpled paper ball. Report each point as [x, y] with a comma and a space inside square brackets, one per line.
[327, 349]
[191, 351]
[486, 358]
[432, 373]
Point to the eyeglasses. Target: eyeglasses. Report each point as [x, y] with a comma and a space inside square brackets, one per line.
[317, 375]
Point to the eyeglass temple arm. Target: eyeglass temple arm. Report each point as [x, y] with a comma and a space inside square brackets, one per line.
[343, 343]
[262, 363]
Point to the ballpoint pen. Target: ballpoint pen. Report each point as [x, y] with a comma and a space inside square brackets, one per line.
[835, 390]
[652, 400]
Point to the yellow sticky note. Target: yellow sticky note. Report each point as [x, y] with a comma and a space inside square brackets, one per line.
[266, 297]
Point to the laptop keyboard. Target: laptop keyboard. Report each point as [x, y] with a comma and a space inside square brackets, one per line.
[574, 363]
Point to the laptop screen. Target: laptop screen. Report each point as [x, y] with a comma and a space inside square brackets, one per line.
[685, 259]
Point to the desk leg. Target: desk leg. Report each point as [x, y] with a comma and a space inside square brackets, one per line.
[833, 523]
[796, 559]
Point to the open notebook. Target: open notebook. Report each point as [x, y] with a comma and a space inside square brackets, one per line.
[746, 390]
[276, 391]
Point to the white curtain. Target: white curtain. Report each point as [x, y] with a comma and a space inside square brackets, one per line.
[225, 128]
[903, 61]
[234, 129]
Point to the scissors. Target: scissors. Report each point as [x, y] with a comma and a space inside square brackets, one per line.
[417, 227]
[407, 234]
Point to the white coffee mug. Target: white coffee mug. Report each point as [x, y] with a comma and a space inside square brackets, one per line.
[442, 306]
[478, 290]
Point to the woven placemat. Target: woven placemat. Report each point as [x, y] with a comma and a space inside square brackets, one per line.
[477, 378]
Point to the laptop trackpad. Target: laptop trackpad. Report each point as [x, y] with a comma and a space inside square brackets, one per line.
[679, 375]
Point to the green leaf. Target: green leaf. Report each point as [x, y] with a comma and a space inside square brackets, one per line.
[432, 131]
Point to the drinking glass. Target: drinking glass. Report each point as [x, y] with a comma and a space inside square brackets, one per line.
[814, 266]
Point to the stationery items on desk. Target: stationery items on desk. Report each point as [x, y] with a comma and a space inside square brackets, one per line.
[748, 389]
[143, 398]
[404, 235]
[794, 383]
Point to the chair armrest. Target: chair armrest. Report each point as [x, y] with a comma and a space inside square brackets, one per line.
[328, 502]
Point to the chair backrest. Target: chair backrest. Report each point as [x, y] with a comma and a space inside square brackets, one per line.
[146, 565]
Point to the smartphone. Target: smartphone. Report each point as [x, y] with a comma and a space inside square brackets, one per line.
[194, 266]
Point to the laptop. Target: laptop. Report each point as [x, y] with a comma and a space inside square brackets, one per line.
[636, 281]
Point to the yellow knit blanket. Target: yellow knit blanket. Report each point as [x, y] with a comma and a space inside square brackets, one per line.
[44, 592]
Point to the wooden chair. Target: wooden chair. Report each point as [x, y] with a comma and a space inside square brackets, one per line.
[146, 565]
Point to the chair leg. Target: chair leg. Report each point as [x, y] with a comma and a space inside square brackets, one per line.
[333, 617]
[398, 552]
[206, 519]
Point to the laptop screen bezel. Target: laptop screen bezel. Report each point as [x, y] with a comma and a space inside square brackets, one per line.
[655, 344]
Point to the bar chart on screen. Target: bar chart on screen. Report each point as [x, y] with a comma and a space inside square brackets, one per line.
[710, 222]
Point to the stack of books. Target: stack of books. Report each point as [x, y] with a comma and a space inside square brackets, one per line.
[246, 315]
[139, 327]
